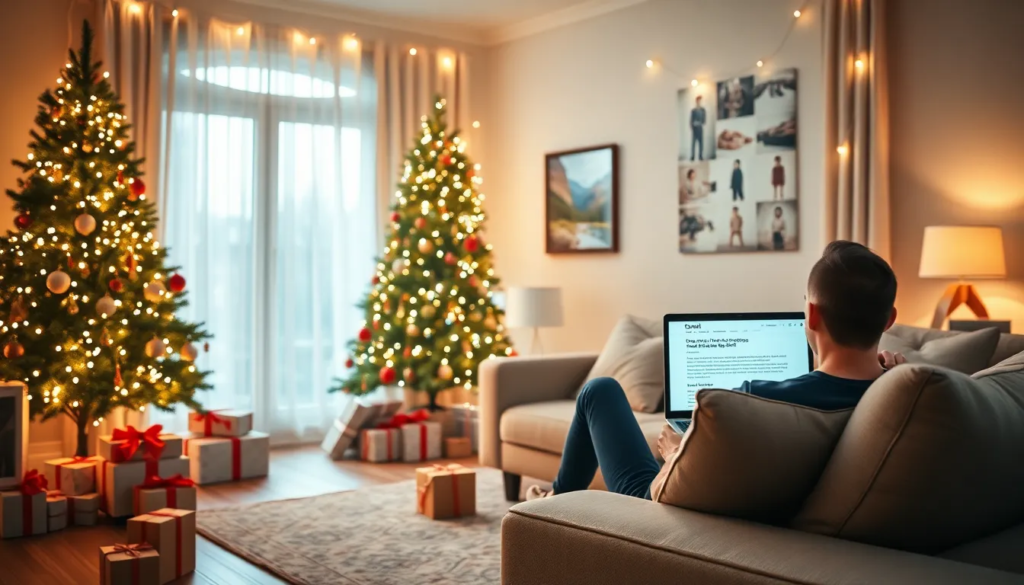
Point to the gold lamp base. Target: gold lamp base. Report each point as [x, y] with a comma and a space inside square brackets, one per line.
[956, 295]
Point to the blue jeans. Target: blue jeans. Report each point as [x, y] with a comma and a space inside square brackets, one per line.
[605, 433]
[698, 140]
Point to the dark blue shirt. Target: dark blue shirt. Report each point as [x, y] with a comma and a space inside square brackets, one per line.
[815, 390]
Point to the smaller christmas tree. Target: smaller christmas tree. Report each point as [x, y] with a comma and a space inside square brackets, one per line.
[430, 319]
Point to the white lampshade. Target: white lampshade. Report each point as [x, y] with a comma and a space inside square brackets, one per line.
[962, 252]
[533, 307]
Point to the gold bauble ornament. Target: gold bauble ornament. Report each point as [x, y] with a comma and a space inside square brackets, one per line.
[425, 246]
[490, 322]
[445, 372]
[105, 307]
[13, 349]
[412, 330]
[58, 282]
[155, 347]
[85, 224]
[428, 311]
[189, 353]
[154, 291]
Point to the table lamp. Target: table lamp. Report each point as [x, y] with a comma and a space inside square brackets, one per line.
[534, 307]
[961, 252]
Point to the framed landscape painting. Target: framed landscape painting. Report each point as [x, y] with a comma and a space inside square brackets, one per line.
[582, 192]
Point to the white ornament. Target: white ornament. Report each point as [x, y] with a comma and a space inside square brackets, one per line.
[155, 347]
[399, 265]
[85, 224]
[58, 282]
[445, 372]
[189, 353]
[105, 306]
[154, 291]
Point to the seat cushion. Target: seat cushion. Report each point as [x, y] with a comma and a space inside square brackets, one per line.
[635, 356]
[1000, 551]
[544, 425]
[749, 457]
[931, 459]
[964, 352]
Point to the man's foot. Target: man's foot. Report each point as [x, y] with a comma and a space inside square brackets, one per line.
[535, 493]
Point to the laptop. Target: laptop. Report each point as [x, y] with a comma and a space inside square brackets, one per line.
[723, 350]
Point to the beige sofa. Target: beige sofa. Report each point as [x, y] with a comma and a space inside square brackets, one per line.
[591, 537]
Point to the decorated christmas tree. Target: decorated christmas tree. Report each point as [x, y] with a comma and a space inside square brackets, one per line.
[430, 319]
[88, 305]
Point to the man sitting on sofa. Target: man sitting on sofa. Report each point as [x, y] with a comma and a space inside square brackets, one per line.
[850, 296]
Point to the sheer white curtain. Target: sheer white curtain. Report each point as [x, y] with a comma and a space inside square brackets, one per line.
[269, 209]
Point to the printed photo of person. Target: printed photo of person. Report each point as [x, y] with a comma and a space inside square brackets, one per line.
[772, 177]
[775, 103]
[735, 227]
[696, 230]
[736, 181]
[736, 138]
[694, 182]
[696, 110]
[736, 97]
[777, 226]
[742, 233]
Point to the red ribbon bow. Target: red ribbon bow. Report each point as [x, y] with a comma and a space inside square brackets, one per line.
[132, 550]
[33, 483]
[403, 419]
[176, 481]
[208, 418]
[153, 446]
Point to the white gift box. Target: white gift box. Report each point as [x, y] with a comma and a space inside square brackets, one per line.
[83, 510]
[118, 480]
[467, 423]
[220, 423]
[217, 459]
[357, 414]
[12, 515]
[421, 441]
[380, 445]
[384, 409]
[111, 450]
[71, 476]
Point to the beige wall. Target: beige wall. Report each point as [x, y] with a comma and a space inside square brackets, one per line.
[586, 84]
[957, 139]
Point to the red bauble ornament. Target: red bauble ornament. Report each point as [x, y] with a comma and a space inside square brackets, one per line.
[450, 259]
[446, 160]
[472, 244]
[407, 353]
[409, 375]
[365, 335]
[420, 222]
[513, 353]
[387, 375]
[176, 283]
[375, 280]
[470, 173]
[137, 188]
[120, 177]
[115, 285]
[395, 217]
[349, 363]
[23, 221]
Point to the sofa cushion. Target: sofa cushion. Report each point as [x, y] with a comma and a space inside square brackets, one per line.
[931, 459]
[1000, 551]
[635, 356]
[1009, 344]
[544, 425]
[749, 457]
[963, 352]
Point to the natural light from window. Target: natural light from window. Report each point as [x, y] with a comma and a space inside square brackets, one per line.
[272, 81]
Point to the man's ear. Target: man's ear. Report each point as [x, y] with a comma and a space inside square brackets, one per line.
[892, 319]
[813, 316]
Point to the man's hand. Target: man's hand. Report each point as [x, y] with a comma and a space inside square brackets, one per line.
[890, 360]
[668, 442]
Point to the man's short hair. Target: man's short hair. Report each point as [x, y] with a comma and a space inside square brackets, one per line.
[854, 289]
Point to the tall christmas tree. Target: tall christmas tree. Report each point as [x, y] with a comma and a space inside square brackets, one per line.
[430, 320]
[90, 306]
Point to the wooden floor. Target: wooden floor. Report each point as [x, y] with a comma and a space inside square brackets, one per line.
[72, 556]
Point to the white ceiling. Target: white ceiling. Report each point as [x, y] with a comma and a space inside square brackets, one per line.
[474, 21]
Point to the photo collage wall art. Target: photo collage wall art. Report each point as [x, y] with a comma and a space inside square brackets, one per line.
[738, 165]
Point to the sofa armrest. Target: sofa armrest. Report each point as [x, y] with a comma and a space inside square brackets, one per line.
[509, 382]
[596, 537]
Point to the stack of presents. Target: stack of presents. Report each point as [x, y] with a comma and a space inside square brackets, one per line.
[379, 434]
[148, 477]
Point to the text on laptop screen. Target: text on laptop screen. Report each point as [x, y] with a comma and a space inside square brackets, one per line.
[724, 354]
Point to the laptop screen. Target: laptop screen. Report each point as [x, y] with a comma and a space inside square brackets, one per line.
[725, 350]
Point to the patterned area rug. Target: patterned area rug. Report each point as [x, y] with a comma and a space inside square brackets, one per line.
[367, 536]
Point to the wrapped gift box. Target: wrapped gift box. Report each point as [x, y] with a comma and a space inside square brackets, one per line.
[129, 564]
[118, 481]
[446, 491]
[173, 492]
[380, 445]
[131, 444]
[421, 441]
[457, 447]
[83, 510]
[467, 423]
[15, 520]
[217, 459]
[446, 418]
[220, 423]
[173, 534]
[73, 476]
[56, 511]
[357, 414]
[384, 409]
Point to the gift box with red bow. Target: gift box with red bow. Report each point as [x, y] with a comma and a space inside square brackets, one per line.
[421, 438]
[118, 480]
[81, 510]
[23, 511]
[129, 564]
[172, 532]
[218, 459]
[172, 492]
[380, 445]
[346, 427]
[220, 423]
[132, 444]
[445, 491]
[74, 476]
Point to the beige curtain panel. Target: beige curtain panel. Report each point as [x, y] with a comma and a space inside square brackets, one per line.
[857, 124]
